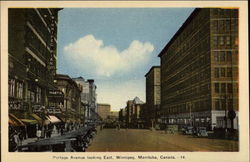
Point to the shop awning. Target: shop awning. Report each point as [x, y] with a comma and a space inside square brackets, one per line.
[29, 121]
[40, 120]
[53, 119]
[15, 121]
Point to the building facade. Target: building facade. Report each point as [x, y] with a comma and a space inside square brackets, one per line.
[32, 59]
[72, 108]
[103, 110]
[153, 95]
[132, 114]
[199, 71]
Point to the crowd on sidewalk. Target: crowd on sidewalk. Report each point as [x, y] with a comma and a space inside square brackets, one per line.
[21, 135]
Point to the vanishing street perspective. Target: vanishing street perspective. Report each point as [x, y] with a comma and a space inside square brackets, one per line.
[97, 80]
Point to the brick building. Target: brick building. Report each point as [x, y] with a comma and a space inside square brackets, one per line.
[199, 70]
[103, 110]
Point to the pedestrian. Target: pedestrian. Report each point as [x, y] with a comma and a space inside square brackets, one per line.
[38, 134]
[16, 138]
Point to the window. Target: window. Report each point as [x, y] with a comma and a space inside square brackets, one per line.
[228, 40]
[217, 87]
[215, 40]
[223, 87]
[223, 104]
[229, 72]
[221, 40]
[11, 87]
[19, 90]
[38, 94]
[227, 25]
[229, 88]
[222, 56]
[217, 104]
[222, 72]
[216, 73]
[216, 57]
[229, 55]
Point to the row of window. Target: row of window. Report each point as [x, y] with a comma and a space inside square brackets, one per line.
[15, 88]
[223, 72]
[223, 104]
[223, 56]
[184, 108]
[223, 87]
[222, 40]
[225, 25]
[35, 95]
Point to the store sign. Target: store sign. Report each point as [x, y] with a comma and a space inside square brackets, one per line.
[54, 110]
[15, 105]
[38, 108]
[55, 93]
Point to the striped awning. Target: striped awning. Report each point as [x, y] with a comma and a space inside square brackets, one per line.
[29, 121]
[15, 121]
[40, 120]
[53, 119]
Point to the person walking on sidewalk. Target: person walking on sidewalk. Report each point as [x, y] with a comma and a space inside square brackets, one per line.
[38, 134]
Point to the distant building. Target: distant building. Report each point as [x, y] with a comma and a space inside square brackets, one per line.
[199, 70]
[133, 110]
[92, 100]
[72, 109]
[88, 98]
[153, 95]
[113, 115]
[103, 110]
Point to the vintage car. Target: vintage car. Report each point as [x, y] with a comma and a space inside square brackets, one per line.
[201, 132]
[76, 141]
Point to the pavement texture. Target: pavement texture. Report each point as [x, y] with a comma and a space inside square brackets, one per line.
[129, 140]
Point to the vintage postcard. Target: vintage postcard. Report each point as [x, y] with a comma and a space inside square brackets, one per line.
[124, 81]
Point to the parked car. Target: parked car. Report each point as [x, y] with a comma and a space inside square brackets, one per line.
[188, 130]
[201, 132]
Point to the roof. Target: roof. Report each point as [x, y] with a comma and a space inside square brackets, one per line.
[189, 19]
[137, 100]
[153, 67]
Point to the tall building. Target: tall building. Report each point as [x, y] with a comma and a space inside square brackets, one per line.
[103, 110]
[199, 70]
[32, 58]
[92, 100]
[84, 95]
[153, 94]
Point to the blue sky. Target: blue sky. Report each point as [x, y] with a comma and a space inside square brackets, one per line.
[115, 46]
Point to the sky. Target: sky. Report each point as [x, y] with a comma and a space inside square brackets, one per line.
[115, 46]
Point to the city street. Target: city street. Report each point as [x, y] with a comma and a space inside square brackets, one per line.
[145, 140]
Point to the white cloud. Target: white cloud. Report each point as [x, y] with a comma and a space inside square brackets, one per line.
[118, 94]
[89, 53]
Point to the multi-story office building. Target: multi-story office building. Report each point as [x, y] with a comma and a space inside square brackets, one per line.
[72, 109]
[153, 94]
[103, 110]
[92, 101]
[199, 70]
[84, 95]
[32, 55]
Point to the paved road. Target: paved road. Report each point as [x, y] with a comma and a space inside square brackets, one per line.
[145, 140]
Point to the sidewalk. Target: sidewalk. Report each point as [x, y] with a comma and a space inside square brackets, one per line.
[29, 140]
